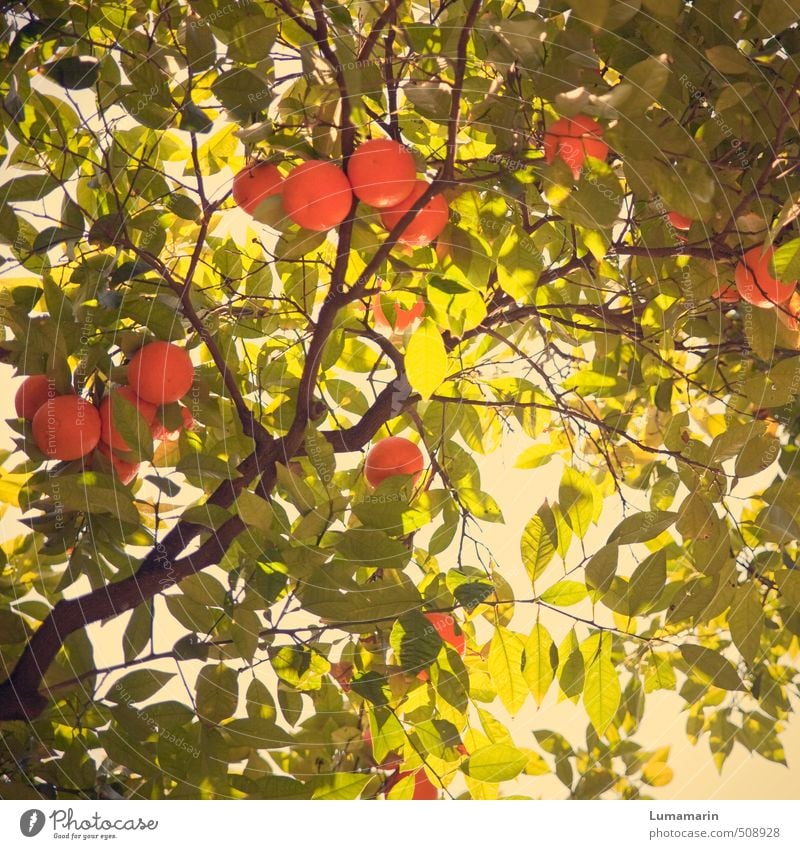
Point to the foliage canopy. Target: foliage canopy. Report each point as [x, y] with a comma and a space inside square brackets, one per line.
[570, 311]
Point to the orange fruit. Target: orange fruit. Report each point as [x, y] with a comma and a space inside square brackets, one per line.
[66, 427]
[382, 172]
[678, 221]
[255, 183]
[392, 456]
[33, 392]
[572, 140]
[108, 433]
[124, 470]
[426, 225]
[445, 626]
[160, 372]
[403, 318]
[317, 195]
[727, 293]
[754, 282]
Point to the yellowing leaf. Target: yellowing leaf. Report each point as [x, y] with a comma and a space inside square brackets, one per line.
[541, 660]
[498, 762]
[505, 668]
[601, 690]
[426, 359]
[657, 774]
[537, 546]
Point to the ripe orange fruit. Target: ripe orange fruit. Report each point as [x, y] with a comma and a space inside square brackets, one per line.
[392, 456]
[124, 470]
[445, 626]
[678, 221]
[317, 195]
[423, 787]
[66, 427]
[727, 293]
[754, 282]
[108, 433]
[403, 318]
[572, 140]
[254, 183]
[382, 172]
[33, 392]
[160, 372]
[426, 225]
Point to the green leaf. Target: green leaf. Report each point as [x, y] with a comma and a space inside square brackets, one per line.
[646, 583]
[254, 511]
[570, 667]
[601, 568]
[746, 619]
[591, 12]
[481, 505]
[495, 763]
[642, 527]
[372, 687]
[759, 453]
[132, 427]
[564, 593]
[339, 785]
[415, 642]
[29, 187]
[139, 685]
[12, 628]
[784, 264]
[641, 86]
[576, 500]
[138, 631]
[505, 668]
[217, 692]
[535, 456]
[426, 359]
[195, 120]
[697, 518]
[728, 60]
[372, 548]
[711, 666]
[93, 492]
[537, 545]
[256, 732]
[519, 265]
[74, 72]
[540, 662]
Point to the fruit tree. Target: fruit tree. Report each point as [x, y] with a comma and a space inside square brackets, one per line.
[579, 222]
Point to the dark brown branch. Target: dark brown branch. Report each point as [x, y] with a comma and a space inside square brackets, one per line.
[458, 86]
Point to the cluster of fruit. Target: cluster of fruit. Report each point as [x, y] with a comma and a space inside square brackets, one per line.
[318, 194]
[573, 139]
[68, 427]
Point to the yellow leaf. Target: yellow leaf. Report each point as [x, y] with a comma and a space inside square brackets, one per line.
[426, 359]
[505, 668]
